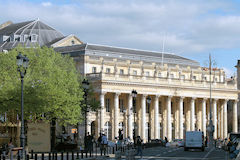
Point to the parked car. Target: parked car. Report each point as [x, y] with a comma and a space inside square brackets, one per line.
[176, 143]
[180, 142]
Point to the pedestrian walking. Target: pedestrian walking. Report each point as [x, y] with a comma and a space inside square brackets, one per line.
[139, 146]
[166, 141]
[104, 144]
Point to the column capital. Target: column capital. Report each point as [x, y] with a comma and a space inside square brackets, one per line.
[193, 98]
[181, 97]
[169, 96]
[214, 99]
[157, 95]
[225, 100]
[103, 92]
[117, 93]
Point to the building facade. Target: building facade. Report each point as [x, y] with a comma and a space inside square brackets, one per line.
[179, 89]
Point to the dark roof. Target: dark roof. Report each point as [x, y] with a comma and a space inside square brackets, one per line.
[12, 28]
[45, 34]
[125, 53]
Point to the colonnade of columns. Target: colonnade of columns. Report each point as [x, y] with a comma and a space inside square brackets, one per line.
[185, 115]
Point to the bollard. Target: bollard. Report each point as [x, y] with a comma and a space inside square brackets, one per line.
[49, 156]
[67, 156]
[35, 156]
[82, 154]
[27, 156]
[77, 155]
[72, 155]
[42, 156]
[61, 155]
[31, 154]
[56, 156]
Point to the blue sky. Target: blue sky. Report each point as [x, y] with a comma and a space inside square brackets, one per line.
[192, 29]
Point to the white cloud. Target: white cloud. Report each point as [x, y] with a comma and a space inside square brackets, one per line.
[190, 26]
[46, 4]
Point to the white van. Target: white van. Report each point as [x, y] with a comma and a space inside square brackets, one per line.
[194, 140]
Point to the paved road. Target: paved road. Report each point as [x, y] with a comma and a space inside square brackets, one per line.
[163, 153]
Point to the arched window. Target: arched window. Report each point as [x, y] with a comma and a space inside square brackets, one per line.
[108, 130]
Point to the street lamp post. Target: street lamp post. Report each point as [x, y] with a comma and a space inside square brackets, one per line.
[22, 62]
[85, 85]
[149, 131]
[210, 127]
[134, 95]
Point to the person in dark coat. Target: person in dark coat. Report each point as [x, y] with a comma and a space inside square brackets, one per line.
[139, 146]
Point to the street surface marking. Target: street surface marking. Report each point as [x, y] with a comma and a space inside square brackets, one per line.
[208, 153]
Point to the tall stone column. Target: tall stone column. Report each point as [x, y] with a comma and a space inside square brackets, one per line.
[180, 105]
[219, 120]
[214, 105]
[130, 116]
[204, 116]
[156, 117]
[225, 127]
[169, 118]
[235, 119]
[143, 125]
[222, 121]
[192, 116]
[116, 113]
[102, 101]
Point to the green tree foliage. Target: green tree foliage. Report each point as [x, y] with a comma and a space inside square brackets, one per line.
[51, 86]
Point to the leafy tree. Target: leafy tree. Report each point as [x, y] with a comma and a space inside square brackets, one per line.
[51, 86]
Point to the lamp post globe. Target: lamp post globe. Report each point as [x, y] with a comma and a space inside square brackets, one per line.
[22, 63]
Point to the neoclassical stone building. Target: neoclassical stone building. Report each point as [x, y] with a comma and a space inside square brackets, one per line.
[179, 89]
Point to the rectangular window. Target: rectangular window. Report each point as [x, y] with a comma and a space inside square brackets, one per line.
[147, 73]
[159, 74]
[194, 78]
[205, 78]
[171, 75]
[183, 77]
[121, 71]
[33, 38]
[94, 70]
[134, 72]
[108, 70]
[107, 105]
[121, 105]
